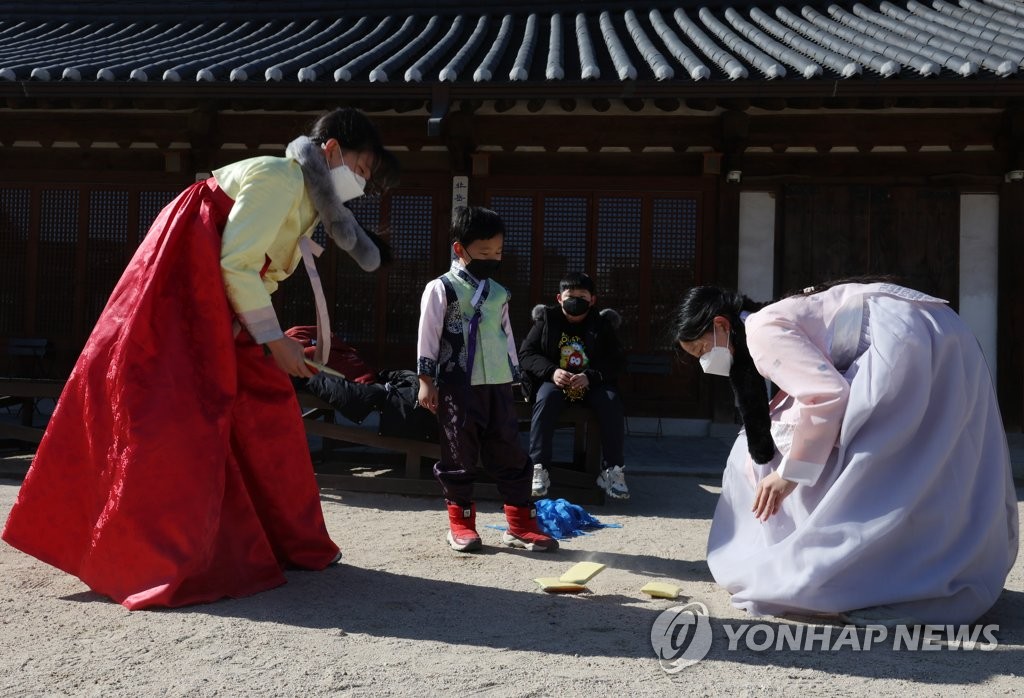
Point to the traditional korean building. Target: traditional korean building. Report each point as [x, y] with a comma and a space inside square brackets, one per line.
[760, 144]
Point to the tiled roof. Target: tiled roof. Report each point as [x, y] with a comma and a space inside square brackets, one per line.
[505, 44]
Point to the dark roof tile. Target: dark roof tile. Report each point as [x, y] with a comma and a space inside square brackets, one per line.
[517, 42]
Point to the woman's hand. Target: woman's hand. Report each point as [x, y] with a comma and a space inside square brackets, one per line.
[427, 396]
[770, 493]
[290, 357]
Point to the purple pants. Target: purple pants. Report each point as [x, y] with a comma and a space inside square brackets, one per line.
[479, 427]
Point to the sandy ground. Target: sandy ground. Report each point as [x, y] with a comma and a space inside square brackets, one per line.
[404, 615]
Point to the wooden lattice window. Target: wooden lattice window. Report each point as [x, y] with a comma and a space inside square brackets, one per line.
[15, 212]
[350, 291]
[413, 266]
[58, 243]
[106, 247]
[674, 228]
[150, 205]
[377, 312]
[617, 260]
[355, 290]
[640, 247]
[516, 263]
[564, 239]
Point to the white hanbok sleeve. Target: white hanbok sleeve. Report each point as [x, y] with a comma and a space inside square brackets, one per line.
[784, 354]
[433, 305]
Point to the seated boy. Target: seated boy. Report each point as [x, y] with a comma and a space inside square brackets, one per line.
[573, 355]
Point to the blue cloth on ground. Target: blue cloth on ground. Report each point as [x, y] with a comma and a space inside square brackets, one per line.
[560, 518]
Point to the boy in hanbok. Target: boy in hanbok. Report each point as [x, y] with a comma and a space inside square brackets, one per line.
[466, 365]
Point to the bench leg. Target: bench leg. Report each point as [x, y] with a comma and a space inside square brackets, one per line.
[593, 461]
[594, 455]
[412, 465]
[28, 409]
[579, 443]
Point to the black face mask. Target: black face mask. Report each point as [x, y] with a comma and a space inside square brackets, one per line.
[576, 306]
[483, 268]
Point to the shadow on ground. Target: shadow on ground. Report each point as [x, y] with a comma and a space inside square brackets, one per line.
[388, 605]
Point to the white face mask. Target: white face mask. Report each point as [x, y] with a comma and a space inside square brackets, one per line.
[347, 184]
[718, 361]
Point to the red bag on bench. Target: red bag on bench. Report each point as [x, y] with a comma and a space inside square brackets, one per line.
[344, 358]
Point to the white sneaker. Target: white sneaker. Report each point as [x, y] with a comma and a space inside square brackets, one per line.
[613, 481]
[541, 481]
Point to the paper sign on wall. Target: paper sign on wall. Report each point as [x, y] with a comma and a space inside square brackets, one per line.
[460, 192]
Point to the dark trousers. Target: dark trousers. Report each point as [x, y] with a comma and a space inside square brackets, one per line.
[607, 407]
[478, 425]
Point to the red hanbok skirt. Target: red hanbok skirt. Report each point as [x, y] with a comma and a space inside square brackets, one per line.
[175, 468]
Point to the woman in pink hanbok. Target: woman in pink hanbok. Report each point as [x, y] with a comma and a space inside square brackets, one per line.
[876, 482]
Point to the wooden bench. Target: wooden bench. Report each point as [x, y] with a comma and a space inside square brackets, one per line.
[415, 475]
[30, 350]
[586, 448]
[25, 384]
[26, 392]
[319, 419]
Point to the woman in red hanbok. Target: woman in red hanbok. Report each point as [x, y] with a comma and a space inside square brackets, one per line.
[175, 468]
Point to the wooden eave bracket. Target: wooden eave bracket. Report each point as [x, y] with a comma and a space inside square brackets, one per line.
[440, 102]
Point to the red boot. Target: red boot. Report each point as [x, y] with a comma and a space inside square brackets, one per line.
[523, 531]
[462, 535]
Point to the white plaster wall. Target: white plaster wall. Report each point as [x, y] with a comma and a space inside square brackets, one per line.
[979, 257]
[756, 274]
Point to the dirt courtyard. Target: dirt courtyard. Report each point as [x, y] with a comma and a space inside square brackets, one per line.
[404, 615]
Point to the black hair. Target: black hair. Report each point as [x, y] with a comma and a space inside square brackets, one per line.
[702, 304]
[694, 317]
[861, 279]
[470, 223]
[576, 280]
[354, 131]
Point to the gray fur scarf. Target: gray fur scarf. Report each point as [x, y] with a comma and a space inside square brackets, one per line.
[338, 221]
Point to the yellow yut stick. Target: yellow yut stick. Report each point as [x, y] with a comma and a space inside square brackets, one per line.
[661, 590]
[582, 572]
[553, 585]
